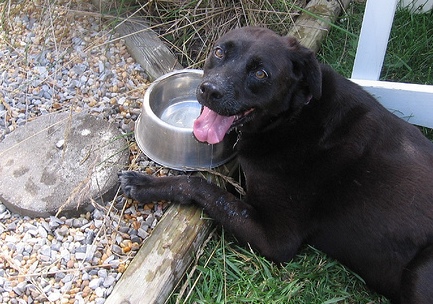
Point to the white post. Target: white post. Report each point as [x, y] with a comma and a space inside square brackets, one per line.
[412, 102]
[373, 39]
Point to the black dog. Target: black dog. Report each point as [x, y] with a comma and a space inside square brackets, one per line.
[324, 164]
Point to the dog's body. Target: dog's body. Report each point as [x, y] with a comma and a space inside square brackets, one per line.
[324, 163]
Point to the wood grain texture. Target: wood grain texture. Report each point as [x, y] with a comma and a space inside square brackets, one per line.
[163, 258]
[312, 26]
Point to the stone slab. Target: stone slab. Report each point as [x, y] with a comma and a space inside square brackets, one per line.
[58, 162]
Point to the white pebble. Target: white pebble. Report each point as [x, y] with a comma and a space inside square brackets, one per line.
[54, 296]
[99, 301]
[109, 281]
[102, 273]
[60, 143]
[65, 288]
[80, 256]
[94, 283]
[99, 291]
[45, 250]
[42, 232]
[98, 223]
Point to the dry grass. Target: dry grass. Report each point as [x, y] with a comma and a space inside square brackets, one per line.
[191, 27]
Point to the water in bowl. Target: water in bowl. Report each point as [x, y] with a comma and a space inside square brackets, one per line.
[182, 114]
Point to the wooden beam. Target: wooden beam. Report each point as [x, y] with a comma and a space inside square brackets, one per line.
[147, 49]
[163, 258]
[143, 44]
[312, 26]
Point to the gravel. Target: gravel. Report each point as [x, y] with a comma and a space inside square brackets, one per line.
[67, 61]
[57, 56]
[66, 260]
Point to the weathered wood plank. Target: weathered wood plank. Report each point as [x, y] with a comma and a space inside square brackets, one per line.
[309, 29]
[143, 44]
[163, 258]
[147, 49]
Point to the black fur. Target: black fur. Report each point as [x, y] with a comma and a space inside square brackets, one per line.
[324, 164]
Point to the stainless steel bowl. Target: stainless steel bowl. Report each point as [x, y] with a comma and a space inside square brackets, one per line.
[164, 129]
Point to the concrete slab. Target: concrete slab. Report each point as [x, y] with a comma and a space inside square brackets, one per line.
[58, 162]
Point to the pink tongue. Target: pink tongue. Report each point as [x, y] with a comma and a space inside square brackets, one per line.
[211, 127]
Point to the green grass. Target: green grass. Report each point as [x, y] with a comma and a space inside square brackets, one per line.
[229, 273]
[409, 56]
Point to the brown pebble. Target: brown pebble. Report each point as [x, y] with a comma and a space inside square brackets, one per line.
[74, 290]
[70, 264]
[121, 268]
[21, 279]
[86, 291]
[125, 243]
[148, 206]
[85, 283]
[136, 225]
[148, 170]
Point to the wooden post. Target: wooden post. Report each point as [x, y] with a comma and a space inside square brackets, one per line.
[309, 29]
[147, 49]
[163, 258]
[143, 44]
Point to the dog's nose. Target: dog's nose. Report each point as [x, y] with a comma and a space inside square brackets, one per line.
[210, 91]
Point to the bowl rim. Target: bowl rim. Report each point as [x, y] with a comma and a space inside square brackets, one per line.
[146, 99]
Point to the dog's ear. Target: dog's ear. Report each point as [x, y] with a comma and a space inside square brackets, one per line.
[306, 66]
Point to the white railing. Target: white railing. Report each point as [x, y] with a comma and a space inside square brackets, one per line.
[412, 102]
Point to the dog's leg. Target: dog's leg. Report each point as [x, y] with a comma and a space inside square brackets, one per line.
[417, 279]
[235, 215]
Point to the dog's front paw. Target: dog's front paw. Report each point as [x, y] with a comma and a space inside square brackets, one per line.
[131, 182]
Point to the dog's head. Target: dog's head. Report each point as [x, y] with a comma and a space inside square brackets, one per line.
[252, 77]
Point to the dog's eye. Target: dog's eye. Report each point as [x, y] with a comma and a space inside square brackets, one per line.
[261, 74]
[219, 53]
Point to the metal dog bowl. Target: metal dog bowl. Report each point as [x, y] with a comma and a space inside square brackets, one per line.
[164, 129]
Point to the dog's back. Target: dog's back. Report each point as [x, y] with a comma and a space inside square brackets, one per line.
[364, 176]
